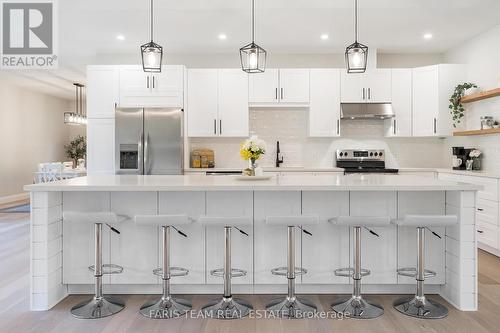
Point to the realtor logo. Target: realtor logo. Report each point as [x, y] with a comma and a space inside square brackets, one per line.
[28, 34]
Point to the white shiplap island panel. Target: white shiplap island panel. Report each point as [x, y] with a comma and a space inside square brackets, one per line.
[54, 275]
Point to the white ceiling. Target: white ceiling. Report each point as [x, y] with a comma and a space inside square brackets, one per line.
[89, 28]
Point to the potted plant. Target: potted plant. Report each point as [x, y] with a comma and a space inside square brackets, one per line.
[76, 149]
[252, 149]
[456, 107]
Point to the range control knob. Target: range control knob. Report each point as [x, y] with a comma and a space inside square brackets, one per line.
[341, 154]
[371, 154]
[376, 154]
[380, 154]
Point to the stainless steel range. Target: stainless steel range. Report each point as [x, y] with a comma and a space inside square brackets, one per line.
[362, 161]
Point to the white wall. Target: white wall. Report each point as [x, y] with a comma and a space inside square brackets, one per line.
[481, 56]
[290, 128]
[31, 131]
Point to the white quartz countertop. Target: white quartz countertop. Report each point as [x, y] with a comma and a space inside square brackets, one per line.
[355, 182]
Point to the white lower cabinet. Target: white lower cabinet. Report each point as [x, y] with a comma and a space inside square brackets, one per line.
[328, 247]
[421, 203]
[186, 252]
[377, 253]
[136, 247]
[271, 249]
[229, 204]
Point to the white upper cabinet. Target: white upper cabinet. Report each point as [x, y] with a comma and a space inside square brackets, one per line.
[140, 89]
[263, 87]
[373, 86]
[401, 125]
[102, 91]
[233, 103]
[279, 86]
[324, 105]
[294, 85]
[202, 104]
[217, 103]
[432, 88]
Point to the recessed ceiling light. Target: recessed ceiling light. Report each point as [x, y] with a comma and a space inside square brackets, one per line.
[324, 36]
[120, 37]
[427, 36]
[222, 36]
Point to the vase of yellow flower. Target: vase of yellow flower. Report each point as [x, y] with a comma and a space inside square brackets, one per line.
[251, 150]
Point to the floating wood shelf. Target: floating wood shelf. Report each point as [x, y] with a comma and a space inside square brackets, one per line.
[480, 95]
[478, 132]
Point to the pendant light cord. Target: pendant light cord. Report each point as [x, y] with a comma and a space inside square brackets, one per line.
[356, 20]
[152, 23]
[76, 100]
[253, 21]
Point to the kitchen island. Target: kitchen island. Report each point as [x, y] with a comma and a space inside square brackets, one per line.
[62, 249]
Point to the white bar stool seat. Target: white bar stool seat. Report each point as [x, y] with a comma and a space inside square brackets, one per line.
[229, 307]
[292, 306]
[419, 306]
[167, 306]
[356, 306]
[99, 306]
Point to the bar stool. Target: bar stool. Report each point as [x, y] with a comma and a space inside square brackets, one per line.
[356, 306]
[167, 306]
[228, 307]
[419, 306]
[292, 306]
[99, 306]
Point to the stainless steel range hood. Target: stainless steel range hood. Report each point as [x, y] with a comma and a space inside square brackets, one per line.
[366, 111]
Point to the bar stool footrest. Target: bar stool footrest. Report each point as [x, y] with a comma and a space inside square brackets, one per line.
[174, 271]
[349, 272]
[235, 272]
[412, 272]
[283, 271]
[108, 269]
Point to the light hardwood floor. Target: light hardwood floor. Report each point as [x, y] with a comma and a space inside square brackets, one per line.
[16, 317]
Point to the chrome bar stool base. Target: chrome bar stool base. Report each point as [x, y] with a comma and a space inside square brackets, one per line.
[227, 308]
[97, 307]
[358, 307]
[165, 308]
[420, 308]
[295, 307]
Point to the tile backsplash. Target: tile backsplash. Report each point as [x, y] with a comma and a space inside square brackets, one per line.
[290, 128]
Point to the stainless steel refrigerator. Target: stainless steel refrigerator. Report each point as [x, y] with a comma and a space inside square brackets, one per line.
[149, 141]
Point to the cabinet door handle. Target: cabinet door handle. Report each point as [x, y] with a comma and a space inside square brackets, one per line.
[215, 126]
[435, 125]
[363, 94]
[480, 231]
[281, 93]
[153, 81]
[220, 126]
[338, 126]
[276, 94]
[147, 84]
[394, 126]
[480, 209]
[369, 93]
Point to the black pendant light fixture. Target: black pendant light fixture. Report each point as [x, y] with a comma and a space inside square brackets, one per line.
[356, 54]
[252, 56]
[152, 53]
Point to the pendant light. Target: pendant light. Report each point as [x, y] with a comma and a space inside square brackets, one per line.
[356, 54]
[252, 56]
[78, 117]
[151, 52]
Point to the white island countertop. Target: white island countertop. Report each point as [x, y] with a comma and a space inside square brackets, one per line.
[355, 182]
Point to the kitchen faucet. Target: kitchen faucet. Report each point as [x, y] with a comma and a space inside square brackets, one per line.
[278, 159]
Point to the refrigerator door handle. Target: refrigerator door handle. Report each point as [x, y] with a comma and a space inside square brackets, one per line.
[146, 155]
[140, 154]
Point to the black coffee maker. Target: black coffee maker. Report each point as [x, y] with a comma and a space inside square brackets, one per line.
[460, 156]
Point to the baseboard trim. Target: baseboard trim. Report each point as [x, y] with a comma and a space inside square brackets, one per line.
[14, 197]
[488, 249]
